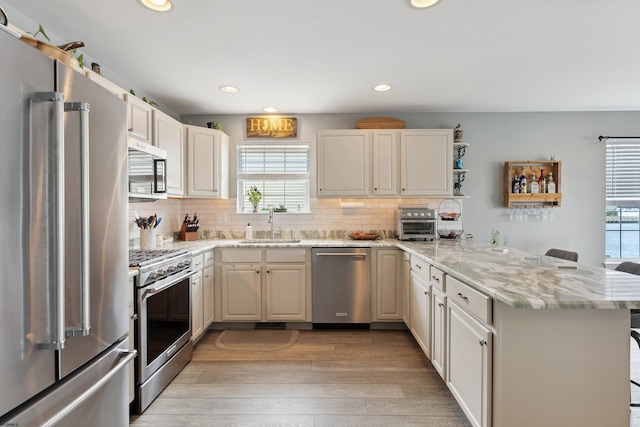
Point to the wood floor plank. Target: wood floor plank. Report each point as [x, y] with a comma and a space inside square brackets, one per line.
[224, 421]
[372, 391]
[255, 406]
[388, 421]
[313, 377]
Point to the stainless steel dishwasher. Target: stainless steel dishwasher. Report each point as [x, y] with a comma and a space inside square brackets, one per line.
[341, 285]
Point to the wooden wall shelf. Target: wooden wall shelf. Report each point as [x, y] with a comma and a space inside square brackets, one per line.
[529, 167]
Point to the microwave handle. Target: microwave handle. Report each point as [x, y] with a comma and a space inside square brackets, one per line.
[159, 175]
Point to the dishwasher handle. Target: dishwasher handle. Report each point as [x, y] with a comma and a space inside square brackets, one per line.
[341, 254]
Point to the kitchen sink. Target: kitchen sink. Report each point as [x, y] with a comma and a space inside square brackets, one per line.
[268, 241]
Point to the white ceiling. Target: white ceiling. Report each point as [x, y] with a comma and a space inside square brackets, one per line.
[324, 56]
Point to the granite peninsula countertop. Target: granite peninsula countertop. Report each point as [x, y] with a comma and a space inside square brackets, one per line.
[517, 278]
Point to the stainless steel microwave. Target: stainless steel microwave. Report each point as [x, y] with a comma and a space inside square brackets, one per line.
[147, 167]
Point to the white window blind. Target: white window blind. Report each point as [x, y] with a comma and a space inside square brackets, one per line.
[623, 172]
[280, 171]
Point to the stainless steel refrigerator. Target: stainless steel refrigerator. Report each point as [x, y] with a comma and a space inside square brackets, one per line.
[63, 245]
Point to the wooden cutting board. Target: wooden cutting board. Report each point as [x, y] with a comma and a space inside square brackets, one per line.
[381, 123]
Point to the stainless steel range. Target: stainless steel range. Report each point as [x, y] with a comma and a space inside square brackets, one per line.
[163, 325]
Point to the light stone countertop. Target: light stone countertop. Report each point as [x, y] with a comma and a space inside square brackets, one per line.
[517, 278]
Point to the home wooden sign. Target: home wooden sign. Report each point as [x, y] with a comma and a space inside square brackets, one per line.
[272, 127]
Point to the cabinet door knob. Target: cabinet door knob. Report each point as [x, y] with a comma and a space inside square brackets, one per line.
[268, 271]
[258, 271]
[375, 188]
[426, 292]
[482, 342]
[440, 304]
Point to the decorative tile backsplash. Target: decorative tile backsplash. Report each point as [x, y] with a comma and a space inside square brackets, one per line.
[327, 219]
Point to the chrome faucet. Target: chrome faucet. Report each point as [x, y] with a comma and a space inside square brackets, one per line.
[272, 222]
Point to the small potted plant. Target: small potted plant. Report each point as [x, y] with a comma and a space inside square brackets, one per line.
[254, 196]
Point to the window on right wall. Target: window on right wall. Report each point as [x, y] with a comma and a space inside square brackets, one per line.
[623, 199]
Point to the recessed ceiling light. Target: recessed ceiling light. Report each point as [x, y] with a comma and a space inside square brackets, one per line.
[229, 89]
[423, 4]
[269, 109]
[158, 5]
[382, 87]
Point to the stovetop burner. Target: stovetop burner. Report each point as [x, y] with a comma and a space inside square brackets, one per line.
[143, 257]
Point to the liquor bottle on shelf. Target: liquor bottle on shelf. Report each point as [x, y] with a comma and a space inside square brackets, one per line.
[515, 184]
[523, 181]
[551, 184]
[542, 187]
[533, 188]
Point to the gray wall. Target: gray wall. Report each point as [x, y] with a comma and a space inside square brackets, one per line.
[495, 138]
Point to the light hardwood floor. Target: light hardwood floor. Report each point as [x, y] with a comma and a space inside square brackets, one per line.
[347, 378]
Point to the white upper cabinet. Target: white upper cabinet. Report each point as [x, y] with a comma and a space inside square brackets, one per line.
[365, 163]
[426, 162]
[343, 163]
[385, 163]
[207, 162]
[139, 119]
[168, 135]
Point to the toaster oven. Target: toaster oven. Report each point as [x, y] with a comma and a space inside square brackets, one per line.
[415, 223]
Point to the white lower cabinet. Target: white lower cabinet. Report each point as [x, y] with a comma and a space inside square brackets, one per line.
[207, 289]
[241, 292]
[197, 320]
[258, 285]
[469, 351]
[201, 294]
[438, 330]
[406, 289]
[421, 312]
[286, 296]
[386, 291]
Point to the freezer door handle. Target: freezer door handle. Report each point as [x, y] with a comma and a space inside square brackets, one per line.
[125, 358]
[85, 323]
[55, 275]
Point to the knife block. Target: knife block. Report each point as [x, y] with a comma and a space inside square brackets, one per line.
[187, 235]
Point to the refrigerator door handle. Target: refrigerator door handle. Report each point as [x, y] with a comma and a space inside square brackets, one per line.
[85, 325]
[56, 273]
[126, 357]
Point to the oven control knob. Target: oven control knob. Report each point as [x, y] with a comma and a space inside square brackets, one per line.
[409, 214]
[171, 269]
[161, 272]
[153, 276]
[421, 213]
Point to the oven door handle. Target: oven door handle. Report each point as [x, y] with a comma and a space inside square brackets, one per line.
[150, 290]
[417, 221]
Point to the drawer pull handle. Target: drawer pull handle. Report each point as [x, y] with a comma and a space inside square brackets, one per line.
[440, 304]
[483, 342]
[426, 292]
[435, 278]
[463, 297]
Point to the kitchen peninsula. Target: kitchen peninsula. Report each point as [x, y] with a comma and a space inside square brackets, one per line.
[530, 340]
